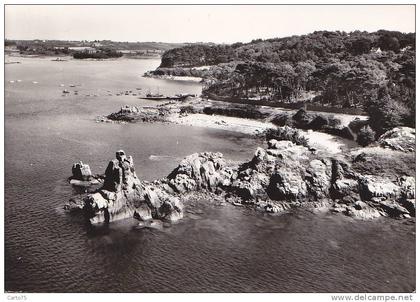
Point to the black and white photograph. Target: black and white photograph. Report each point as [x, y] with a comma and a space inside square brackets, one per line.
[209, 148]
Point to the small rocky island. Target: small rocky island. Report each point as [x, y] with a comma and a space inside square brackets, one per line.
[278, 178]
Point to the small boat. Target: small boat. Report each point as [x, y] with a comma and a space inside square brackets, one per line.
[155, 97]
[59, 60]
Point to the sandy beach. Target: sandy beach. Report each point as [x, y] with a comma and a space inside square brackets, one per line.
[319, 140]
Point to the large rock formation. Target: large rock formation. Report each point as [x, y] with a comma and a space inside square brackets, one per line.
[276, 179]
[200, 171]
[123, 195]
[287, 175]
[81, 171]
[82, 175]
[400, 139]
[136, 114]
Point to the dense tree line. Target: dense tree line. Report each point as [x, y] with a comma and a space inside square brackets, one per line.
[102, 54]
[371, 71]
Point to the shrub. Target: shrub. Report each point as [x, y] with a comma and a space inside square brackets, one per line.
[387, 114]
[287, 134]
[357, 124]
[318, 122]
[333, 121]
[188, 110]
[282, 119]
[302, 119]
[246, 112]
[366, 136]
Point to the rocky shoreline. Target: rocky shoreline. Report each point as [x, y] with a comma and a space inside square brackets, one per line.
[278, 178]
[294, 170]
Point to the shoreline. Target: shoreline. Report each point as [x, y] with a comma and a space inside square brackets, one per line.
[172, 112]
[174, 78]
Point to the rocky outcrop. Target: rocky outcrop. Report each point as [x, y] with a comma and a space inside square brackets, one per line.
[139, 114]
[81, 171]
[400, 139]
[200, 171]
[82, 175]
[287, 175]
[123, 195]
[276, 179]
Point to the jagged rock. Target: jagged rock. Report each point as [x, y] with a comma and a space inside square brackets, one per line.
[120, 174]
[205, 170]
[410, 205]
[374, 186]
[393, 209]
[182, 183]
[274, 207]
[400, 139]
[361, 210]
[345, 187]
[123, 195]
[97, 202]
[357, 210]
[75, 204]
[345, 184]
[143, 213]
[81, 171]
[134, 114]
[250, 184]
[287, 184]
[162, 205]
[319, 178]
[408, 187]
[259, 156]
[279, 145]
[274, 180]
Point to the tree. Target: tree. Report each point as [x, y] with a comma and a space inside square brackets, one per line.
[361, 46]
[366, 136]
[386, 113]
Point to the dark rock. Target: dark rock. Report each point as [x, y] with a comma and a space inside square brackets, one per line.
[123, 195]
[302, 119]
[81, 171]
[357, 124]
[318, 122]
[393, 209]
[286, 184]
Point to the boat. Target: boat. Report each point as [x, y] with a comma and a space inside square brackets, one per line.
[177, 97]
[59, 60]
[154, 96]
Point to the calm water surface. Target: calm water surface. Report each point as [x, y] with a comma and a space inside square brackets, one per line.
[215, 248]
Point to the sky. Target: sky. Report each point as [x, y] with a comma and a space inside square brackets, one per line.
[197, 23]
